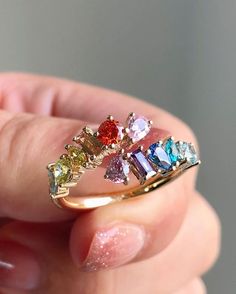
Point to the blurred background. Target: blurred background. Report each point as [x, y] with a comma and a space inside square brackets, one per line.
[178, 54]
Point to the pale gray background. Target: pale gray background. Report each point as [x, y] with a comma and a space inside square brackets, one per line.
[179, 54]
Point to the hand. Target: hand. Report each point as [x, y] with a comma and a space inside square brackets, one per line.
[161, 242]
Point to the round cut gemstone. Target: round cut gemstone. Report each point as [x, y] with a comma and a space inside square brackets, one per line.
[172, 151]
[159, 157]
[117, 170]
[108, 132]
[187, 151]
[139, 127]
[77, 155]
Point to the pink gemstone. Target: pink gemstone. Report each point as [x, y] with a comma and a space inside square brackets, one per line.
[139, 127]
[117, 170]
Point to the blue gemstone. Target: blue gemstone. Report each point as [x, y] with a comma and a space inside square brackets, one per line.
[187, 151]
[143, 167]
[52, 183]
[172, 151]
[159, 156]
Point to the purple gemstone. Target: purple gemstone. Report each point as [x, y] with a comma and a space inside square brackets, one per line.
[117, 170]
[143, 167]
[139, 127]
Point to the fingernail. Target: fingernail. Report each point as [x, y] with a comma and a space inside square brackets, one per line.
[19, 268]
[114, 246]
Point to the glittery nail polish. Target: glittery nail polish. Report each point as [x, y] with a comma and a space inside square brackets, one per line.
[114, 246]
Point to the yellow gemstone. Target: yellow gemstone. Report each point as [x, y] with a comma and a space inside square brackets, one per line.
[62, 170]
[77, 155]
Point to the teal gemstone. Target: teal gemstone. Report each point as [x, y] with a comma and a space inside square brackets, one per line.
[172, 151]
[187, 151]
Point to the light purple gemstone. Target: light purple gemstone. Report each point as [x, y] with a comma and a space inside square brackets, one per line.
[139, 127]
[117, 170]
[144, 168]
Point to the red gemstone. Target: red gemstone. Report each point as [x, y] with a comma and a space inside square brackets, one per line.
[108, 132]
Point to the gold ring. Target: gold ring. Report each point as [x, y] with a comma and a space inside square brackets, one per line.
[160, 163]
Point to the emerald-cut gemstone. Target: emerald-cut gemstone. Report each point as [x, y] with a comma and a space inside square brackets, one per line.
[77, 155]
[172, 151]
[159, 157]
[144, 169]
[187, 152]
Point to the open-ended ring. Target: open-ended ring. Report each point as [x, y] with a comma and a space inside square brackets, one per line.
[160, 163]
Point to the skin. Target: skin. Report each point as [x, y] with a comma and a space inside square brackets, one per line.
[38, 116]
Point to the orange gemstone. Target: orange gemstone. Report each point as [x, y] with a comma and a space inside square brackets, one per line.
[108, 132]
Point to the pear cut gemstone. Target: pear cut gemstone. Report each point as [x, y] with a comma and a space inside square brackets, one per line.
[52, 183]
[187, 152]
[62, 170]
[172, 151]
[59, 173]
[159, 157]
[138, 126]
[117, 170]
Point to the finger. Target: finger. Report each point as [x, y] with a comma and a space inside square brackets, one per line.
[196, 286]
[63, 98]
[123, 241]
[26, 139]
[184, 259]
[138, 222]
[27, 144]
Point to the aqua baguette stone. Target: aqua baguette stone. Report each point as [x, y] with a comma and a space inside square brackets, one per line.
[172, 151]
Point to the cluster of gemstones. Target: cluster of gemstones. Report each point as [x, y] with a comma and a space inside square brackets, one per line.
[91, 148]
[160, 158]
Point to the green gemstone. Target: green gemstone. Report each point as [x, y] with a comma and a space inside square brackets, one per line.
[77, 155]
[62, 171]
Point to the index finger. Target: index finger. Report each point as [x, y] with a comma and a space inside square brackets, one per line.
[28, 142]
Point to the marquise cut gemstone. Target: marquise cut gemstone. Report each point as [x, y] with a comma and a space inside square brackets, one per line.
[139, 127]
[187, 151]
[108, 132]
[142, 165]
[117, 170]
[172, 151]
[159, 157]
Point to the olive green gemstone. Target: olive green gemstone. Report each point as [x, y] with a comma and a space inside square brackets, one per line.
[62, 171]
[77, 155]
